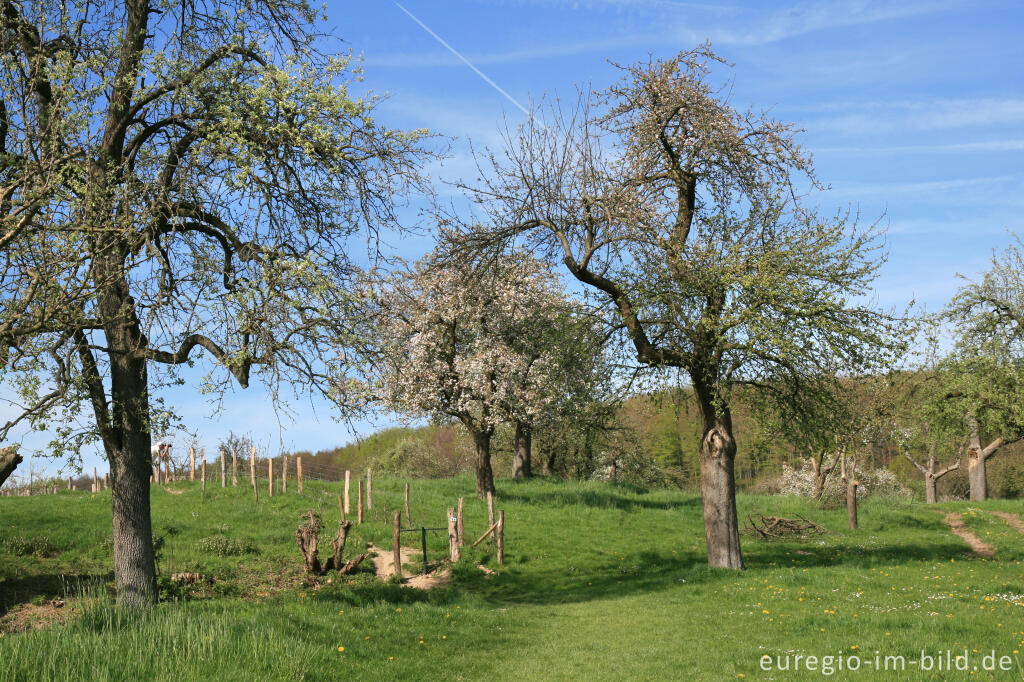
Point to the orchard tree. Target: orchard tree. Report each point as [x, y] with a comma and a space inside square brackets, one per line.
[486, 343]
[984, 374]
[921, 421]
[683, 214]
[577, 372]
[981, 394]
[179, 182]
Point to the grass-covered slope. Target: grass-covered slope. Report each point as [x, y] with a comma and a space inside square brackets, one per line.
[600, 582]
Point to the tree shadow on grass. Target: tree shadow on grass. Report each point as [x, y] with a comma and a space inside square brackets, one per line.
[45, 587]
[650, 571]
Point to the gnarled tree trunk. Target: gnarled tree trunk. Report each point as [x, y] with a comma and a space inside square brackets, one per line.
[521, 465]
[9, 461]
[976, 458]
[718, 494]
[717, 481]
[931, 476]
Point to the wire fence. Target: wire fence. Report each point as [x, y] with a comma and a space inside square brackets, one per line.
[241, 470]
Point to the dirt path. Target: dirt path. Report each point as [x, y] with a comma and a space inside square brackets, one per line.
[384, 565]
[1012, 520]
[979, 548]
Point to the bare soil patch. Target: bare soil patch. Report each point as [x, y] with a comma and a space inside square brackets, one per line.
[1012, 520]
[24, 617]
[978, 547]
[384, 565]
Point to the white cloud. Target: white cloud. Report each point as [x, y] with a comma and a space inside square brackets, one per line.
[954, 148]
[807, 18]
[675, 25]
[883, 189]
[921, 114]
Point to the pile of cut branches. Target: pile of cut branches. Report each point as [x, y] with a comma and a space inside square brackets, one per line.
[781, 528]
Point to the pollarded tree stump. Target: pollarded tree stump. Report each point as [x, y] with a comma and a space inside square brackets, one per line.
[308, 537]
[338, 544]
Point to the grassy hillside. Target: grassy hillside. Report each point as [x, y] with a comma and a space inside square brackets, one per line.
[601, 582]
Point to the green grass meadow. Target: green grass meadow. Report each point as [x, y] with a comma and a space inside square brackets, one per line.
[601, 582]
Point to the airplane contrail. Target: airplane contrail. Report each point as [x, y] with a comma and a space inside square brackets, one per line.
[465, 61]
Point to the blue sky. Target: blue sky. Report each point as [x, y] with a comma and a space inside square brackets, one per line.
[914, 112]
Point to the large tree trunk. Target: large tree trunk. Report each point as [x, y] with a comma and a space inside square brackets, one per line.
[976, 475]
[124, 426]
[717, 477]
[929, 488]
[134, 564]
[976, 458]
[718, 494]
[521, 466]
[718, 482]
[9, 461]
[484, 474]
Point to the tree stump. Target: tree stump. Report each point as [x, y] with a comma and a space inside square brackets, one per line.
[308, 537]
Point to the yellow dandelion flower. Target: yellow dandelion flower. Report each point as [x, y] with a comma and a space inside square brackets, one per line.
[341, 648]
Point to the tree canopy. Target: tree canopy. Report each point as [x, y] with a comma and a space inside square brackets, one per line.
[486, 343]
[177, 181]
[685, 216]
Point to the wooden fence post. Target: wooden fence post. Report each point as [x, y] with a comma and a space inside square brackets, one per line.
[192, 459]
[490, 509]
[298, 467]
[459, 527]
[284, 474]
[223, 469]
[203, 455]
[348, 476]
[501, 537]
[270, 474]
[408, 516]
[453, 536]
[359, 503]
[234, 468]
[398, 544]
[96, 481]
[252, 473]
[341, 508]
[369, 488]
